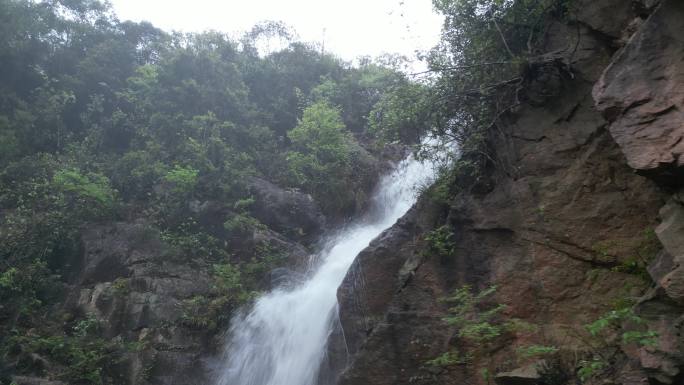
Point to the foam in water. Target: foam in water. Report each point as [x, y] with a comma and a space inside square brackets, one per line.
[282, 339]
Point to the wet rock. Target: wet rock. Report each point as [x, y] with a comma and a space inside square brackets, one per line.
[378, 266]
[609, 17]
[673, 282]
[641, 93]
[134, 285]
[527, 375]
[661, 265]
[670, 231]
[287, 211]
[658, 365]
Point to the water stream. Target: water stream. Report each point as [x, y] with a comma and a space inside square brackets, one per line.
[282, 339]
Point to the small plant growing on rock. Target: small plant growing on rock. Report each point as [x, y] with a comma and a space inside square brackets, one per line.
[590, 368]
[241, 223]
[615, 321]
[441, 241]
[530, 351]
[477, 321]
[615, 327]
[452, 357]
[120, 287]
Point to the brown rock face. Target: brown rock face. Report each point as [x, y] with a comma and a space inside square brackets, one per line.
[548, 237]
[641, 93]
[565, 215]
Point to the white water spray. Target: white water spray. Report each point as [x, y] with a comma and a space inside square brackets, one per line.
[282, 340]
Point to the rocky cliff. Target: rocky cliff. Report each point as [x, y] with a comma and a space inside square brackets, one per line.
[577, 215]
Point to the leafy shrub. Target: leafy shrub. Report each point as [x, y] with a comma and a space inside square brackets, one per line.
[82, 356]
[590, 368]
[183, 179]
[89, 192]
[440, 241]
[227, 280]
[478, 320]
[402, 113]
[192, 242]
[321, 157]
[449, 358]
[241, 223]
[136, 172]
[211, 312]
[120, 287]
[615, 321]
[25, 290]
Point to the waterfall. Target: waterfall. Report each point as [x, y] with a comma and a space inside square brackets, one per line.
[282, 339]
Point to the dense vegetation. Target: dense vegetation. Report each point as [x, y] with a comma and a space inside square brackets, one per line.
[103, 120]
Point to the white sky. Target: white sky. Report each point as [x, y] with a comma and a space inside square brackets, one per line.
[352, 27]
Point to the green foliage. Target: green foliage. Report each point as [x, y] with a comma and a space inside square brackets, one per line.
[485, 374]
[241, 223]
[200, 312]
[210, 312]
[452, 357]
[120, 287]
[647, 338]
[90, 192]
[25, 290]
[645, 252]
[465, 174]
[402, 114]
[536, 351]
[480, 331]
[590, 368]
[102, 121]
[321, 157]
[440, 241]
[183, 179]
[477, 320]
[613, 318]
[190, 241]
[87, 326]
[266, 258]
[228, 282]
[622, 321]
[320, 134]
[81, 356]
[136, 172]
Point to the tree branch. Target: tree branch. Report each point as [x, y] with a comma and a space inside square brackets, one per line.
[503, 38]
[462, 67]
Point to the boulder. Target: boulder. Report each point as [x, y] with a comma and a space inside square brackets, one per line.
[641, 94]
[661, 265]
[658, 365]
[287, 211]
[673, 282]
[609, 17]
[670, 231]
[527, 375]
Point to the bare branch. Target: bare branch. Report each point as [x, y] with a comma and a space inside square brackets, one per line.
[462, 67]
[503, 38]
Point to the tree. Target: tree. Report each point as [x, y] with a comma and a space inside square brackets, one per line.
[320, 159]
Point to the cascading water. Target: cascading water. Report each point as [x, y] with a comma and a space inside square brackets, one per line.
[282, 340]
